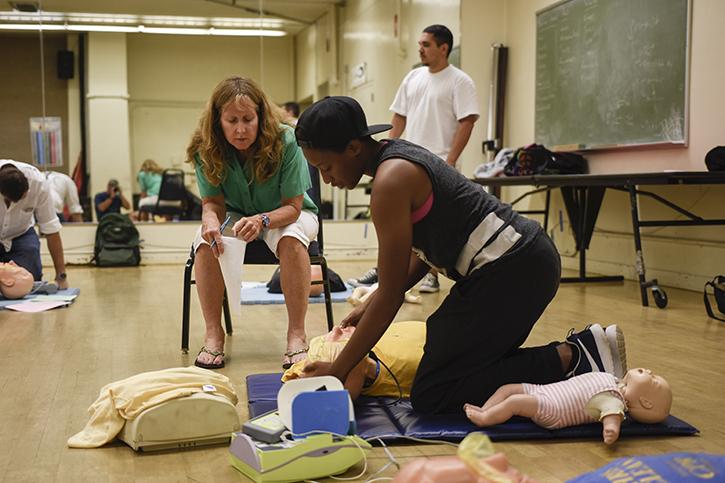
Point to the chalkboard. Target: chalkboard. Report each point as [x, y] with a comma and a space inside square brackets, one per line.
[612, 73]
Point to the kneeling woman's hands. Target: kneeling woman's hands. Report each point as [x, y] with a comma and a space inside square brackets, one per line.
[248, 228]
[316, 368]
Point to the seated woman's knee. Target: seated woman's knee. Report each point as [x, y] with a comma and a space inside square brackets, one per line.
[290, 244]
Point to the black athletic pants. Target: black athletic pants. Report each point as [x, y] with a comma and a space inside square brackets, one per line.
[473, 340]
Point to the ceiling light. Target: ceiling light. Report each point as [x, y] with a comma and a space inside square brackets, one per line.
[166, 24]
[147, 30]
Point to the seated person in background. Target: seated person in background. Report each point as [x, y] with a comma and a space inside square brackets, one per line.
[595, 396]
[15, 282]
[400, 349]
[65, 195]
[149, 181]
[292, 112]
[27, 200]
[111, 200]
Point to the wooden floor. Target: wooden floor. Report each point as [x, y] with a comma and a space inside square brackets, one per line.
[127, 321]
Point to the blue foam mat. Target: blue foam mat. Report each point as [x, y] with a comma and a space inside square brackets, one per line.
[257, 294]
[391, 422]
[5, 302]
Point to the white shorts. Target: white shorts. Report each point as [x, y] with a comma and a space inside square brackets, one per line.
[304, 229]
[148, 201]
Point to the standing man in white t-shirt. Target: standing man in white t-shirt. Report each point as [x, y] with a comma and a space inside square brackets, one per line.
[436, 107]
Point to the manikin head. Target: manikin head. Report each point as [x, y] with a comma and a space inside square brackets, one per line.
[323, 348]
[648, 396]
[15, 282]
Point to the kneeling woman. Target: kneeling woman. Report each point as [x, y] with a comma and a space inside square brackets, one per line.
[249, 166]
[505, 267]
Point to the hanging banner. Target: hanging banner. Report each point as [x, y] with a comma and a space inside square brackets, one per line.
[46, 140]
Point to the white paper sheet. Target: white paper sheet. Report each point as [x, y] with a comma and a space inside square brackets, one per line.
[31, 306]
[231, 262]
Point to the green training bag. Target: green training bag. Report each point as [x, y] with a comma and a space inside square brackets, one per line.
[117, 242]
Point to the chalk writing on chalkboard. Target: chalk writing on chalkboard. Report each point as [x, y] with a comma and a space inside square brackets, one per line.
[612, 73]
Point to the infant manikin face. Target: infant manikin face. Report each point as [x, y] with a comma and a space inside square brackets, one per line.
[15, 282]
[340, 333]
[648, 395]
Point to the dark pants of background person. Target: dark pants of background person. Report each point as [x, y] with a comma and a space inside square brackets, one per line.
[473, 339]
[25, 252]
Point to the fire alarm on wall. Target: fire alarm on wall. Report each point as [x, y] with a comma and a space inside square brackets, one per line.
[359, 74]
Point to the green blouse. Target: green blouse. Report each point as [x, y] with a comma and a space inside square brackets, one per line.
[240, 196]
[149, 183]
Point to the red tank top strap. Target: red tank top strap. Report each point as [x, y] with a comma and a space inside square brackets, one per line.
[420, 213]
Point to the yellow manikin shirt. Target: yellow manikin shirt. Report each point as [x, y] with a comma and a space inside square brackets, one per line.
[401, 348]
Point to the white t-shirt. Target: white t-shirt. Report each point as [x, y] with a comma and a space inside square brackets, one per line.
[65, 192]
[433, 104]
[36, 205]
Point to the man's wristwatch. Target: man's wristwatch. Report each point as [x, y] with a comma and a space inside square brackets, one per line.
[61, 277]
[265, 220]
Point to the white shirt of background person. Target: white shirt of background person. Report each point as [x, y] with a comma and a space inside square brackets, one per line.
[436, 105]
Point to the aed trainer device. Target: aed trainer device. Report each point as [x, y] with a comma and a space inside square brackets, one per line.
[267, 427]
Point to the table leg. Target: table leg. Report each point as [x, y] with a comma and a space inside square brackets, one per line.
[638, 257]
[582, 205]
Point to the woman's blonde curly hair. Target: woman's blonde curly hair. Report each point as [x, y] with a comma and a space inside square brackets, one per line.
[210, 144]
[151, 166]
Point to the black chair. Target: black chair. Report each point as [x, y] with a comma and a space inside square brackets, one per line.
[173, 199]
[257, 253]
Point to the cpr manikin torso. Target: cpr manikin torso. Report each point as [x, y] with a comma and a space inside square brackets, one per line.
[15, 282]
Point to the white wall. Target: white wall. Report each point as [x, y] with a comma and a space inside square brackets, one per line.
[107, 121]
[681, 257]
[369, 35]
[306, 63]
[170, 242]
[171, 77]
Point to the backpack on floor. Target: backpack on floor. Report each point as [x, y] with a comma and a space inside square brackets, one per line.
[117, 242]
[718, 288]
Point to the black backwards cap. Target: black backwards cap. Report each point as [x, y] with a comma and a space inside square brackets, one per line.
[332, 122]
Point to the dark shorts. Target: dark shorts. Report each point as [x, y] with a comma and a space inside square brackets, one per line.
[25, 252]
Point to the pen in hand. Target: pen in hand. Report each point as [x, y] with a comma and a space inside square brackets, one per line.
[221, 230]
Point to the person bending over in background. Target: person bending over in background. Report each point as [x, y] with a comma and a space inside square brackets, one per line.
[65, 195]
[27, 199]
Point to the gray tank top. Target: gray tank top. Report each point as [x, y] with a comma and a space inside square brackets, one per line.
[466, 227]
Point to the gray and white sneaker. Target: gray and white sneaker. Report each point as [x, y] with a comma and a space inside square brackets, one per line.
[615, 337]
[368, 278]
[430, 284]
